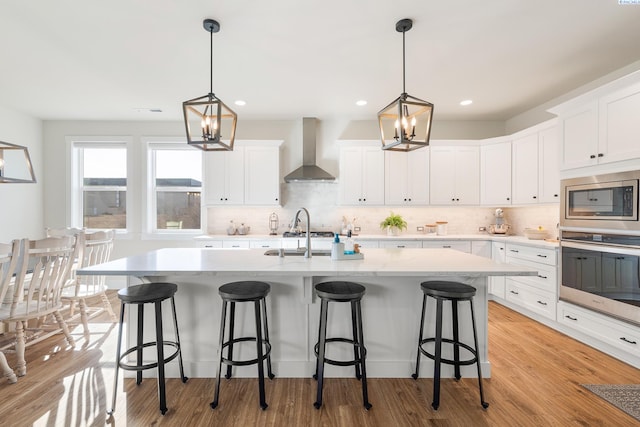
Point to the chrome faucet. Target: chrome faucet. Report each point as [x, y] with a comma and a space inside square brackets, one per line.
[307, 254]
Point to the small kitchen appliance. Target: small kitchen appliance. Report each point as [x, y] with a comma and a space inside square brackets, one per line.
[273, 224]
[499, 227]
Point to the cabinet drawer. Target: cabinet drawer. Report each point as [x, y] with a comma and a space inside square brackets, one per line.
[275, 243]
[618, 334]
[546, 278]
[533, 299]
[400, 244]
[235, 244]
[368, 243]
[530, 253]
[458, 245]
[209, 244]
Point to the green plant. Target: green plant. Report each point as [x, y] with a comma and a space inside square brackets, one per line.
[394, 220]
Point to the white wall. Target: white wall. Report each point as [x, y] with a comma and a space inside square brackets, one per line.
[21, 205]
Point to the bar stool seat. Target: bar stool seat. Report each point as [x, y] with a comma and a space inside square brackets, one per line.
[148, 293]
[339, 291]
[454, 292]
[244, 291]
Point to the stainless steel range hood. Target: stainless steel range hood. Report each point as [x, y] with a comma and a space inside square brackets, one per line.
[309, 171]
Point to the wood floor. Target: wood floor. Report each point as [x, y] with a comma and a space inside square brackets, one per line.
[536, 380]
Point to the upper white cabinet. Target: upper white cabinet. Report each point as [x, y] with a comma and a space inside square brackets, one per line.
[619, 131]
[407, 177]
[455, 175]
[262, 176]
[535, 171]
[248, 175]
[601, 126]
[495, 174]
[224, 177]
[362, 175]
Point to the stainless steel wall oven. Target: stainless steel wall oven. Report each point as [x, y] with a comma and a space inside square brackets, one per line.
[600, 244]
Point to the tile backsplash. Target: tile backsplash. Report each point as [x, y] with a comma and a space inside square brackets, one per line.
[321, 199]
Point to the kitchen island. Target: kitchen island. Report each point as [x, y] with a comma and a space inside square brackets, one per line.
[391, 306]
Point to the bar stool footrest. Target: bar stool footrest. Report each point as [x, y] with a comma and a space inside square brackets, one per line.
[265, 355]
[353, 362]
[129, 367]
[449, 361]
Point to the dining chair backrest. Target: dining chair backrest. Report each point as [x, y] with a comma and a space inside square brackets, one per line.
[97, 250]
[42, 273]
[60, 232]
[10, 255]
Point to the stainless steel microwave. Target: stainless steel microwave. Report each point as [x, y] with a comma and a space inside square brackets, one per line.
[601, 201]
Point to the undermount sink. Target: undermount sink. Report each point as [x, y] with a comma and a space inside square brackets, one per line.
[298, 252]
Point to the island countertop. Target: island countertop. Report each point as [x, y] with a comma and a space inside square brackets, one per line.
[377, 262]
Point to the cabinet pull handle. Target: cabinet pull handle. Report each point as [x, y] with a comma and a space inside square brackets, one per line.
[514, 292]
[513, 250]
[508, 198]
[600, 155]
[593, 156]
[555, 195]
[400, 246]
[541, 302]
[571, 318]
[542, 256]
[208, 246]
[446, 246]
[629, 341]
[535, 197]
[542, 277]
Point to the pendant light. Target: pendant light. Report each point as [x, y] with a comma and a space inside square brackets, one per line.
[405, 124]
[207, 117]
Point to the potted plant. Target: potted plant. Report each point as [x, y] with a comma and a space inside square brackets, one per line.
[393, 224]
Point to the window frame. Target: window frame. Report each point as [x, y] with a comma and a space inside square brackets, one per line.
[150, 210]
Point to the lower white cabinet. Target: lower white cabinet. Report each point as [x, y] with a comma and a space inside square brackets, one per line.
[497, 283]
[458, 245]
[271, 243]
[400, 244]
[539, 293]
[228, 244]
[209, 244]
[620, 335]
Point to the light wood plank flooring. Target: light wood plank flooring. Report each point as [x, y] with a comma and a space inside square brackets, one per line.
[536, 380]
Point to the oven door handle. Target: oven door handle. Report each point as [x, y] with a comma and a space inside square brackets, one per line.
[601, 247]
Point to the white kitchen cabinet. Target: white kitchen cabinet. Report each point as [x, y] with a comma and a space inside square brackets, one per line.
[233, 243]
[539, 293]
[579, 133]
[495, 174]
[457, 245]
[549, 162]
[364, 244]
[497, 283]
[400, 244]
[262, 175]
[535, 170]
[525, 169]
[270, 243]
[455, 175]
[209, 244]
[619, 126]
[361, 175]
[407, 177]
[224, 177]
[481, 248]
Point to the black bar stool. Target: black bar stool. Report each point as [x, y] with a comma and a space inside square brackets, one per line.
[148, 293]
[245, 291]
[454, 292]
[341, 292]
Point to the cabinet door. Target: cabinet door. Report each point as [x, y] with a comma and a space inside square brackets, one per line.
[497, 283]
[396, 190]
[372, 176]
[224, 177]
[442, 175]
[549, 171]
[619, 125]
[579, 133]
[351, 176]
[467, 167]
[262, 176]
[418, 176]
[525, 170]
[495, 174]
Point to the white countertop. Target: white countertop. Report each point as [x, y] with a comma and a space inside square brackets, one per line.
[253, 262]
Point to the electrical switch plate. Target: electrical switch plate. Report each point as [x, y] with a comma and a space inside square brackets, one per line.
[420, 228]
[482, 228]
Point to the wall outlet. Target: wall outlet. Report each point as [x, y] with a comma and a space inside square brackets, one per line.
[419, 228]
[356, 229]
[482, 228]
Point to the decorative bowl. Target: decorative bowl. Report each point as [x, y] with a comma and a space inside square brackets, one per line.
[535, 234]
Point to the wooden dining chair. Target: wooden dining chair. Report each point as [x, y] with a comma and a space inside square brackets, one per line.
[78, 289]
[10, 254]
[37, 293]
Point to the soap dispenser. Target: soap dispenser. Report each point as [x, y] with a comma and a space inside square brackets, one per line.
[337, 248]
[349, 248]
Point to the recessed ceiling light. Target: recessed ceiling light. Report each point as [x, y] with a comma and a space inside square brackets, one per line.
[361, 103]
[148, 110]
[240, 102]
[466, 102]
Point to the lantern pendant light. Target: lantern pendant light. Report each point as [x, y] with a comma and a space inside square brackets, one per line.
[405, 124]
[207, 117]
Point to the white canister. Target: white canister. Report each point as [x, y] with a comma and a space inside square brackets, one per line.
[441, 228]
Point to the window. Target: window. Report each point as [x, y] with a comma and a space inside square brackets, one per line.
[176, 185]
[100, 184]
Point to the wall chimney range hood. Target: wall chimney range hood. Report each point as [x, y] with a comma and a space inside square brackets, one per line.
[309, 171]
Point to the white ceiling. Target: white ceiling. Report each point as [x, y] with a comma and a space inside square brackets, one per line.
[88, 59]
